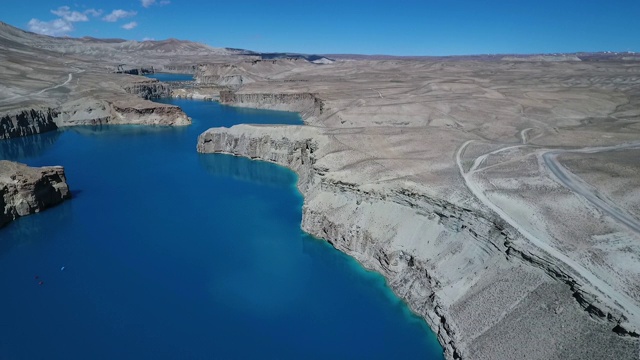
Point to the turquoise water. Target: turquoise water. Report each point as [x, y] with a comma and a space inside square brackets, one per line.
[170, 77]
[171, 254]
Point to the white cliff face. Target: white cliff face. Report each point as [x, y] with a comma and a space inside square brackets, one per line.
[470, 276]
[25, 190]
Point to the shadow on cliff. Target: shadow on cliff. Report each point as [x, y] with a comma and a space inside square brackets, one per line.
[260, 172]
[20, 148]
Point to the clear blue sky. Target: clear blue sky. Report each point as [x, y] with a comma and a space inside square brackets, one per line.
[401, 27]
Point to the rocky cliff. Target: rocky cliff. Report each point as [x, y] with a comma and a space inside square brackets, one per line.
[151, 89]
[23, 122]
[309, 105]
[25, 190]
[483, 290]
[90, 111]
[149, 115]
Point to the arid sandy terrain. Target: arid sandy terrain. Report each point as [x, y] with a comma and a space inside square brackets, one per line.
[498, 196]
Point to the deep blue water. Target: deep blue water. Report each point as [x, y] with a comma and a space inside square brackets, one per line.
[171, 254]
[170, 77]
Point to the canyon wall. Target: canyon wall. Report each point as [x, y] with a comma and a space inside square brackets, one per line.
[309, 105]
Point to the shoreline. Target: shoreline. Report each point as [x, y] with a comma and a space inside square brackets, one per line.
[364, 265]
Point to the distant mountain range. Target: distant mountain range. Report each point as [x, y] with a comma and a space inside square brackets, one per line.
[110, 47]
[126, 50]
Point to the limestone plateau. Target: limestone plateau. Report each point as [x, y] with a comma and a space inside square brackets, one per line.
[498, 195]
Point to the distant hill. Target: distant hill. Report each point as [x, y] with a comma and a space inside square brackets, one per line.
[162, 51]
[111, 47]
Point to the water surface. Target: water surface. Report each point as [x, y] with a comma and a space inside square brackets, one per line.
[171, 254]
[170, 77]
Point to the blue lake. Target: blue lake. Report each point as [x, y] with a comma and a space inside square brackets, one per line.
[171, 254]
[170, 77]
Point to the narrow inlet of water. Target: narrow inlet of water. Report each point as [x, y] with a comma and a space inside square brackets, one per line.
[165, 253]
[166, 77]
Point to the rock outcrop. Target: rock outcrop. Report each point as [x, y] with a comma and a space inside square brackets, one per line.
[25, 190]
[152, 115]
[468, 274]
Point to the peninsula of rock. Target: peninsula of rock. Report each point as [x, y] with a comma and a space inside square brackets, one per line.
[26, 190]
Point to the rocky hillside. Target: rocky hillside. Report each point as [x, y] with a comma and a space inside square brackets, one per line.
[110, 48]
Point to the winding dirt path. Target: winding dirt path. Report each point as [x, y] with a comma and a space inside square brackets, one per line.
[55, 86]
[606, 291]
[579, 186]
[69, 78]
